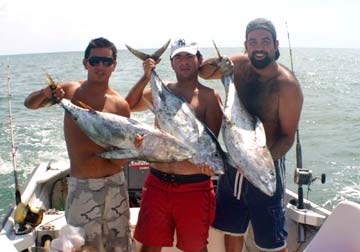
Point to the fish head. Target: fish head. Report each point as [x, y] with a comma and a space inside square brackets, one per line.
[87, 120]
[74, 110]
[70, 108]
[213, 158]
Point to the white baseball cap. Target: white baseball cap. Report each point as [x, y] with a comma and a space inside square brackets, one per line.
[181, 45]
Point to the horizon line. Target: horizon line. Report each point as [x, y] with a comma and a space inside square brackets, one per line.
[203, 47]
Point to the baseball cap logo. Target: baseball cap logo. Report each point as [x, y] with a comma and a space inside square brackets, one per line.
[181, 42]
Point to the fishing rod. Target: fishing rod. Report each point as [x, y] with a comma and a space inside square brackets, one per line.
[13, 146]
[299, 163]
[25, 217]
[299, 166]
[298, 144]
[302, 176]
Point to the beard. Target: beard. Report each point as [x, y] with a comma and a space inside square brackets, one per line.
[260, 64]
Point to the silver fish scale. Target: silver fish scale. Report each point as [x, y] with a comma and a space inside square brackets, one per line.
[245, 141]
[117, 135]
[176, 117]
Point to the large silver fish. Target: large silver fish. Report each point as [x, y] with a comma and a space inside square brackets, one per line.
[119, 136]
[175, 116]
[245, 140]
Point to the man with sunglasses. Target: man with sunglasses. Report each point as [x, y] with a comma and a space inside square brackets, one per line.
[97, 192]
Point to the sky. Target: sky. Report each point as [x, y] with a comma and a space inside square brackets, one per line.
[40, 26]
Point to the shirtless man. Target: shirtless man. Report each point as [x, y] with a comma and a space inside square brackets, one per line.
[178, 195]
[97, 195]
[272, 93]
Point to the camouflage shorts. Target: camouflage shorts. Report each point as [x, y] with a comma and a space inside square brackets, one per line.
[101, 207]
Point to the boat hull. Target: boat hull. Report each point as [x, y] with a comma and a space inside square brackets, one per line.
[47, 189]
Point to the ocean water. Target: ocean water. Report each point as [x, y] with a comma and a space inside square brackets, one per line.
[329, 127]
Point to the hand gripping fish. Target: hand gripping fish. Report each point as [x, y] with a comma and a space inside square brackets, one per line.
[245, 140]
[125, 138]
[175, 116]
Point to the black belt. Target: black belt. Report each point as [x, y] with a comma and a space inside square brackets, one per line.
[178, 179]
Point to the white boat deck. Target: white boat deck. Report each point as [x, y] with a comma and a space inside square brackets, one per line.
[339, 232]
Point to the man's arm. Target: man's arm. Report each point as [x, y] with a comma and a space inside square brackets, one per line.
[122, 107]
[138, 93]
[214, 68]
[214, 114]
[44, 96]
[290, 105]
[209, 69]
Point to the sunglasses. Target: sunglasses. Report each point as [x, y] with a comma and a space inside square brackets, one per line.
[95, 61]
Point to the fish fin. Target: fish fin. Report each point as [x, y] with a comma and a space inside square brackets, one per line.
[119, 154]
[143, 56]
[217, 51]
[84, 105]
[156, 55]
[49, 79]
[52, 85]
[138, 140]
[137, 53]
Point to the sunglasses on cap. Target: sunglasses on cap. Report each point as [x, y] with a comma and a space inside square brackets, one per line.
[95, 61]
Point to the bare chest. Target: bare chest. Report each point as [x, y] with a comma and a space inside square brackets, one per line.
[260, 99]
[196, 103]
[98, 101]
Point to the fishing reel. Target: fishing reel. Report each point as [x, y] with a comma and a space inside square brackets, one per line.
[26, 218]
[304, 176]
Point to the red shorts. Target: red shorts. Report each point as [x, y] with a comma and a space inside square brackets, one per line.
[165, 207]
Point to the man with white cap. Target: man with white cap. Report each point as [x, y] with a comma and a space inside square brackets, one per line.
[187, 205]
